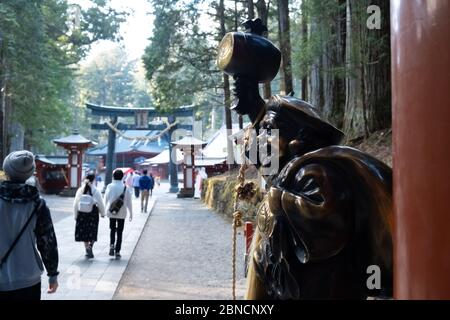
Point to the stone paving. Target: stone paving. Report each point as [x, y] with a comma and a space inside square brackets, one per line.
[91, 279]
[181, 250]
[184, 253]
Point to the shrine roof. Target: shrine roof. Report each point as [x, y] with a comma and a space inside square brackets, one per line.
[217, 144]
[125, 146]
[163, 158]
[189, 141]
[123, 111]
[52, 160]
[73, 139]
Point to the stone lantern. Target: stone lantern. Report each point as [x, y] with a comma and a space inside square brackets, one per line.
[188, 145]
[75, 145]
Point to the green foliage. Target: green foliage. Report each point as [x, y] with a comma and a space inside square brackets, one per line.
[180, 58]
[108, 79]
[321, 18]
[41, 41]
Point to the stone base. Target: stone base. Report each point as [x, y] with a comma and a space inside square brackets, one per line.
[186, 193]
[68, 192]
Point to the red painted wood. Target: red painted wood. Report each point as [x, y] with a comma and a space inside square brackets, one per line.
[420, 35]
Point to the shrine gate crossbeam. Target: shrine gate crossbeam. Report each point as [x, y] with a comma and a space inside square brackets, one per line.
[141, 116]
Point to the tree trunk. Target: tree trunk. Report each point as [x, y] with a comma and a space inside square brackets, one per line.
[226, 88]
[240, 120]
[368, 88]
[337, 115]
[17, 138]
[285, 44]
[377, 66]
[263, 13]
[235, 16]
[332, 59]
[213, 119]
[304, 38]
[250, 9]
[8, 111]
[353, 116]
[315, 90]
[2, 104]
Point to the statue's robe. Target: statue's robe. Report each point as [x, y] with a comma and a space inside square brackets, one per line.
[325, 220]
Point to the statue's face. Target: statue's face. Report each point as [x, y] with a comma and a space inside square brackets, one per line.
[287, 147]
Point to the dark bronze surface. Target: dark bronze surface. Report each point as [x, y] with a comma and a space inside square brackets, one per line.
[329, 216]
[250, 59]
[328, 213]
[250, 56]
[301, 129]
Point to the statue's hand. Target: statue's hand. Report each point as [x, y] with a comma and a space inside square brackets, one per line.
[315, 201]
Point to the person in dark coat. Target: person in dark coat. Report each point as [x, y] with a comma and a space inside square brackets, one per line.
[21, 208]
[146, 184]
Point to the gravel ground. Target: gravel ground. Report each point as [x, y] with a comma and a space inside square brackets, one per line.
[184, 253]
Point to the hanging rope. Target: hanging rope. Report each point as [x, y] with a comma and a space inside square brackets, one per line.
[244, 191]
[142, 138]
[237, 222]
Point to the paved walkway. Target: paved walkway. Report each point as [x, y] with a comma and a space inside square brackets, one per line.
[184, 253]
[181, 250]
[97, 278]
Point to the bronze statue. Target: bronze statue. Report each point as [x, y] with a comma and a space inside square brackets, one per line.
[327, 215]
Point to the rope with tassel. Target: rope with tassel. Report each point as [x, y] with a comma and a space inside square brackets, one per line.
[244, 191]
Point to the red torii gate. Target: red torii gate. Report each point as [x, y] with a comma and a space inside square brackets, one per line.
[141, 116]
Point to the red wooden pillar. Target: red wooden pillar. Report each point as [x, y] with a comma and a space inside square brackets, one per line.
[189, 145]
[420, 35]
[248, 235]
[75, 146]
[188, 167]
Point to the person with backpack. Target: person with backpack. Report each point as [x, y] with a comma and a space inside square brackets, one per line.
[136, 177]
[145, 184]
[87, 207]
[118, 203]
[27, 238]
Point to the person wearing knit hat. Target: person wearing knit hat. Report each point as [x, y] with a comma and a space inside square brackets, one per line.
[27, 237]
[19, 165]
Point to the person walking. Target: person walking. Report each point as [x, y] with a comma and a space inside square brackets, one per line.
[118, 203]
[136, 177]
[98, 180]
[199, 177]
[144, 184]
[27, 236]
[152, 184]
[87, 207]
[129, 179]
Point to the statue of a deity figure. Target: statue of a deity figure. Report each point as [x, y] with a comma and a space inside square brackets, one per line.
[324, 230]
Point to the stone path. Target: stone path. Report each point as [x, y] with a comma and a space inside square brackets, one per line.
[184, 253]
[181, 250]
[90, 279]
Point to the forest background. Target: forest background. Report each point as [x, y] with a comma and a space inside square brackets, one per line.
[335, 55]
